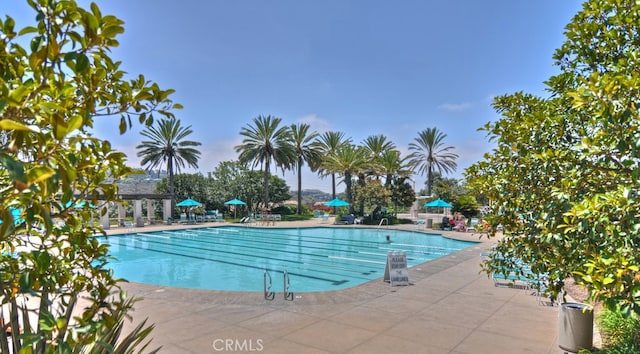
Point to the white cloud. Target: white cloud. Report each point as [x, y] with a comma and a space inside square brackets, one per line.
[318, 124]
[456, 106]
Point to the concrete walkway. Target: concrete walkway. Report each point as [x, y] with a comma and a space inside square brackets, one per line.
[449, 308]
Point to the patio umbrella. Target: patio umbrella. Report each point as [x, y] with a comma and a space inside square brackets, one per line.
[438, 203]
[234, 201]
[189, 203]
[336, 203]
[16, 214]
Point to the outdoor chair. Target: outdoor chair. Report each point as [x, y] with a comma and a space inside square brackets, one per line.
[472, 224]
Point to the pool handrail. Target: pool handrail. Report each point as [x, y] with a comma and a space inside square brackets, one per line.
[268, 294]
[287, 295]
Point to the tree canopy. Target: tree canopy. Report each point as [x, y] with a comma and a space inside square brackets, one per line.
[53, 169]
[563, 178]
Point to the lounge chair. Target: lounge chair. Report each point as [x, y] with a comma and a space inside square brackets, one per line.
[345, 220]
[510, 278]
[128, 225]
[472, 224]
[183, 218]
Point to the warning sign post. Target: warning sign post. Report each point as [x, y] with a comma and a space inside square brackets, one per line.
[396, 271]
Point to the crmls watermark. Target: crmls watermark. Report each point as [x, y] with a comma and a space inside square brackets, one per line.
[237, 345]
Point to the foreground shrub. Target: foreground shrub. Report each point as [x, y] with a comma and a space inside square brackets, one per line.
[620, 334]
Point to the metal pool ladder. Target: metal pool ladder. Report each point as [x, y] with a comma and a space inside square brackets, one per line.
[287, 294]
[382, 221]
[268, 294]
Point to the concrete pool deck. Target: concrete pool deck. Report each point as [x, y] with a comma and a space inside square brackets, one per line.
[448, 308]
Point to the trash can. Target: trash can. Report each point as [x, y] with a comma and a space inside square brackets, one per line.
[139, 221]
[575, 327]
[430, 223]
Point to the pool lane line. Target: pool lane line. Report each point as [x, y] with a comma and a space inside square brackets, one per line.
[356, 259]
[252, 239]
[284, 235]
[252, 242]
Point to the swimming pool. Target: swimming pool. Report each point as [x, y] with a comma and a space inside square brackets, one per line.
[235, 258]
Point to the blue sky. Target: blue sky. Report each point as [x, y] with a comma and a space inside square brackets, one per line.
[363, 67]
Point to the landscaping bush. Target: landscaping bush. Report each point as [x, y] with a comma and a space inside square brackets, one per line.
[296, 217]
[283, 210]
[620, 334]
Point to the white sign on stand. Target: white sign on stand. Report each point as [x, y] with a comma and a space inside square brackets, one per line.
[396, 270]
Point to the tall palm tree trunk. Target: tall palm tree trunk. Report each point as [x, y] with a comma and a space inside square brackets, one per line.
[267, 167]
[333, 190]
[299, 211]
[430, 180]
[347, 184]
[171, 186]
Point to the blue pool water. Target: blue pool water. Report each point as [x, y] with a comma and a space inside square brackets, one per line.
[235, 258]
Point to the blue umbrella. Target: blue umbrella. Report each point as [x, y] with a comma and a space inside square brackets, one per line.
[234, 202]
[189, 203]
[16, 214]
[438, 203]
[336, 203]
[80, 205]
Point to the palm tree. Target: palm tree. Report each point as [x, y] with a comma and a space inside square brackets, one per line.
[430, 154]
[329, 143]
[166, 144]
[392, 165]
[306, 149]
[377, 146]
[264, 142]
[348, 160]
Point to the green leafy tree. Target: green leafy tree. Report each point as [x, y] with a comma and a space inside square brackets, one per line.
[373, 196]
[189, 185]
[467, 205]
[307, 149]
[232, 179]
[430, 155]
[278, 190]
[563, 178]
[330, 142]
[448, 189]
[402, 193]
[265, 142]
[53, 169]
[167, 145]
